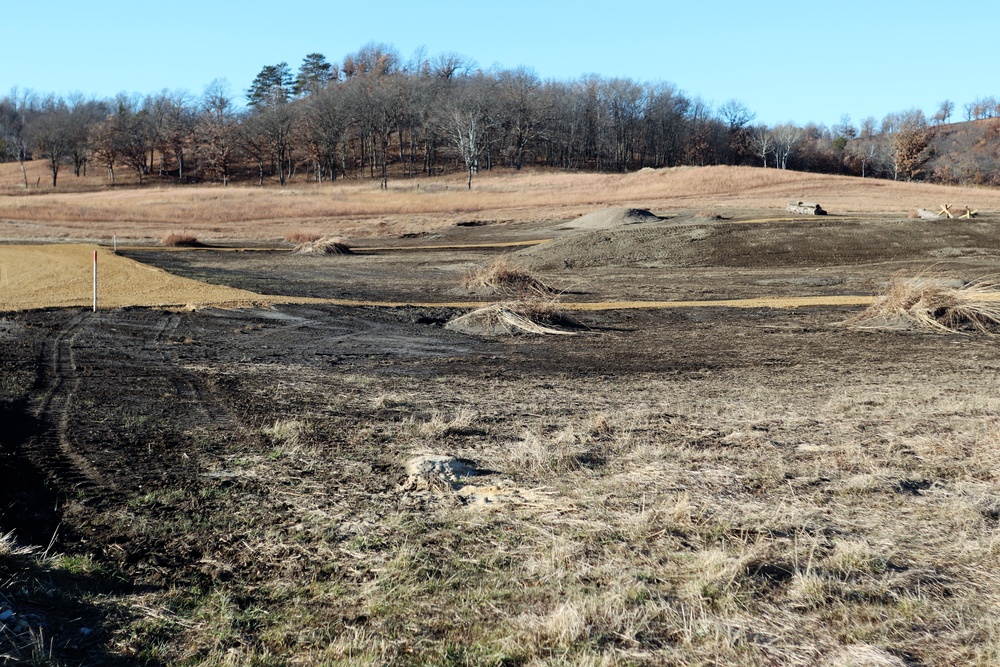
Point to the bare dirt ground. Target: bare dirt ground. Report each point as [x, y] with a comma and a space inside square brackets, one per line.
[692, 485]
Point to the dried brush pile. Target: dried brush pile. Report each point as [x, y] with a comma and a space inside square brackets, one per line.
[515, 317]
[324, 246]
[180, 241]
[933, 304]
[502, 277]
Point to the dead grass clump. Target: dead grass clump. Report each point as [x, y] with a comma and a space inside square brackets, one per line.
[325, 246]
[501, 276]
[934, 304]
[513, 317]
[299, 237]
[180, 240]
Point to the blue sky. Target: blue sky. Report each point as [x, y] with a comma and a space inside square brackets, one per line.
[787, 61]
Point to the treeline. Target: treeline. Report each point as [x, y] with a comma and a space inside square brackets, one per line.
[375, 116]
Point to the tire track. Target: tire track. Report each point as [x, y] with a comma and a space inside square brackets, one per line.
[53, 447]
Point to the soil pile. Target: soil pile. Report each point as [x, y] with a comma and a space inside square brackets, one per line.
[763, 245]
[613, 218]
[626, 246]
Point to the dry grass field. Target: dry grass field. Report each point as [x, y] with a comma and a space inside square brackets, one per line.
[360, 209]
[724, 458]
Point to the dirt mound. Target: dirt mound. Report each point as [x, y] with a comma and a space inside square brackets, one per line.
[613, 218]
[627, 246]
[769, 244]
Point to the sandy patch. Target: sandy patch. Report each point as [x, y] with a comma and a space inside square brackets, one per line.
[446, 480]
[53, 276]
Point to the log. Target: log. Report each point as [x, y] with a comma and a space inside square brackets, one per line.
[805, 208]
[924, 214]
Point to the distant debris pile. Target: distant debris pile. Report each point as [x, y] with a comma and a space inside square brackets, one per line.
[804, 208]
[324, 246]
[945, 212]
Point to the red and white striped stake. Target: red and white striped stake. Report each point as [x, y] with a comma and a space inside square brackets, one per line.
[95, 281]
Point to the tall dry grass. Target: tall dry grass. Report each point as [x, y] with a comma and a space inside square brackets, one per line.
[927, 302]
[359, 208]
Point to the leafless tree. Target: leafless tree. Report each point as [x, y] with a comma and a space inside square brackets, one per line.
[217, 130]
[53, 133]
[14, 127]
[763, 143]
[786, 138]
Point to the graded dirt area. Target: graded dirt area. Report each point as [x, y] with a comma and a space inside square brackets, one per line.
[316, 483]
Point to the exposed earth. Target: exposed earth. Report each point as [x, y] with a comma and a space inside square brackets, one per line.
[747, 483]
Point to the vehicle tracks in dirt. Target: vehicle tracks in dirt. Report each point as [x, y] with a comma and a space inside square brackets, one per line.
[53, 445]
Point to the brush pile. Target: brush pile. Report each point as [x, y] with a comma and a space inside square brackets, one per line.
[934, 304]
[502, 277]
[324, 246]
[514, 317]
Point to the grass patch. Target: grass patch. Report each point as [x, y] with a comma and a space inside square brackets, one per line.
[299, 237]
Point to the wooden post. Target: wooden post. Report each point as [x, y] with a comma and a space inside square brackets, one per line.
[95, 281]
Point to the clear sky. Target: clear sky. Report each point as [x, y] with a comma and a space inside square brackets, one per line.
[787, 61]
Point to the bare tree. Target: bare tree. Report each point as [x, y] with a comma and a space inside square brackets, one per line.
[53, 133]
[217, 130]
[786, 138]
[520, 111]
[737, 116]
[762, 142]
[944, 112]
[14, 129]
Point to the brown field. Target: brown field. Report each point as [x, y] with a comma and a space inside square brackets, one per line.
[249, 456]
[360, 209]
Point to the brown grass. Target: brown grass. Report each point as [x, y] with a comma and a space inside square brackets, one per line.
[933, 303]
[502, 276]
[298, 237]
[360, 209]
[179, 240]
